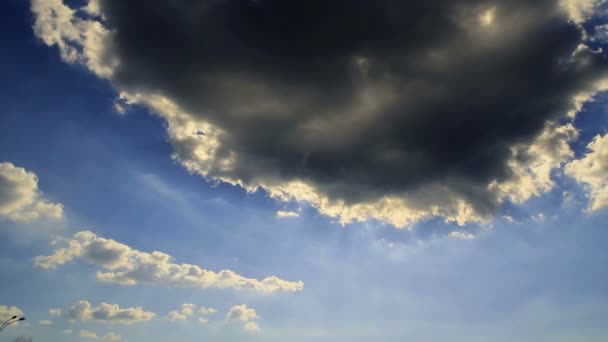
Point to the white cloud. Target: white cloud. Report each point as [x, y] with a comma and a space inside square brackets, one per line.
[204, 311]
[45, 322]
[601, 34]
[251, 326]
[580, 11]
[127, 266]
[90, 335]
[287, 214]
[175, 316]
[532, 164]
[10, 311]
[55, 312]
[243, 314]
[182, 315]
[79, 40]
[592, 171]
[20, 198]
[111, 313]
[93, 8]
[66, 332]
[462, 235]
[188, 310]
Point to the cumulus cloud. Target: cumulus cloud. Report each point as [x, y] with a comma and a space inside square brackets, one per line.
[10, 311]
[365, 117]
[109, 313]
[246, 315]
[124, 265]
[204, 312]
[592, 171]
[241, 313]
[55, 312]
[7, 312]
[532, 164]
[188, 310]
[20, 198]
[90, 335]
[182, 315]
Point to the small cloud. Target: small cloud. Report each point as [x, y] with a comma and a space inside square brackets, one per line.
[539, 217]
[55, 312]
[111, 337]
[592, 172]
[462, 235]
[601, 34]
[241, 313]
[182, 315]
[207, 311]
[509, 219]
[287, 214]
[204, 312]
[251, 326]
[66, 332]
[20, 198]
[244, 314]
[90, 335]
[45, 322]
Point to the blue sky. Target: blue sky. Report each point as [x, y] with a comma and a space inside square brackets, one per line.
[534, 270]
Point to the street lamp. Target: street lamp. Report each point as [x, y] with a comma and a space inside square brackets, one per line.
[11, 321]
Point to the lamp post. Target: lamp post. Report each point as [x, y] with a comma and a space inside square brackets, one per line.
[11, 321]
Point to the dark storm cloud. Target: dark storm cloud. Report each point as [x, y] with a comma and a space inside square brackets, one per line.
[361, 98]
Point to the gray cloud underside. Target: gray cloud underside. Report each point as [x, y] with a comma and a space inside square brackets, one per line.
[289, 82]
[361, 100]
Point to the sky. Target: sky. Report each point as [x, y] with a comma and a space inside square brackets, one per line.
[304, 171]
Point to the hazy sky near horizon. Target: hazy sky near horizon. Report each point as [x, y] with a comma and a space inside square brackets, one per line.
[340, 170]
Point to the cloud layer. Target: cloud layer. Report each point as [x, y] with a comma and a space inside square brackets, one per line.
[127, 266]
[394, 110]
[20, 198]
